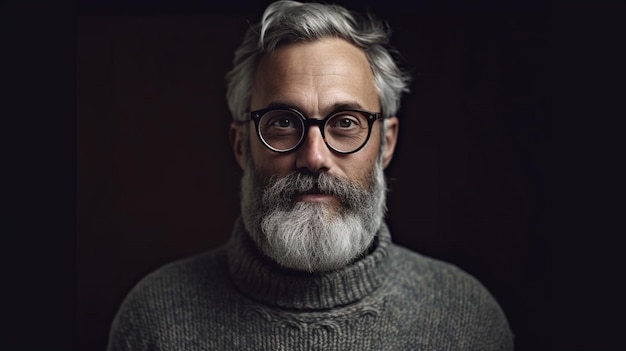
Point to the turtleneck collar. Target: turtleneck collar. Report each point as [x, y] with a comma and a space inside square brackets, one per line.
[262, 279]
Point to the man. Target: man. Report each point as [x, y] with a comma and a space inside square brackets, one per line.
[310, 265]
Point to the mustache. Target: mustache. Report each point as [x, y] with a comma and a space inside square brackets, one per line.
[281, 192]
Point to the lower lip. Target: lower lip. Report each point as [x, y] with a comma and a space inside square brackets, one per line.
[317, 198]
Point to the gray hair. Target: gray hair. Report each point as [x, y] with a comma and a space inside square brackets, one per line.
[291, 21]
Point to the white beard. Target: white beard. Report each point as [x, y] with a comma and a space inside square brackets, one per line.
[312, 236]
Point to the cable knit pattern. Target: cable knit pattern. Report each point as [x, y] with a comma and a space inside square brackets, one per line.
[233, 298]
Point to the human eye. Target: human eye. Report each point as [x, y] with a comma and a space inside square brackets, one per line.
[346, 122]
[284, 122]
[280, 120]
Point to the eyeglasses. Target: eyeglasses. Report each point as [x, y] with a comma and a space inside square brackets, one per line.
[284, 129]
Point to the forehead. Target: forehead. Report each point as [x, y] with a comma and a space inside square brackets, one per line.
[314, 76]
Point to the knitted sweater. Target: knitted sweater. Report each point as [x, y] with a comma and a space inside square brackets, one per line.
[233, 298]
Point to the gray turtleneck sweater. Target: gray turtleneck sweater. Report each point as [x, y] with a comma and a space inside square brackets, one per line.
[233, 298]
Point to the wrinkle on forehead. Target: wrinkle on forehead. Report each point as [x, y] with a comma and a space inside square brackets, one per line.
[315, 76]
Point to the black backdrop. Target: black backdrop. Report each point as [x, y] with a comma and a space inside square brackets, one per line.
[157, 180]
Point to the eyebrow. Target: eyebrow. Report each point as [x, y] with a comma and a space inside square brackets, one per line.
[336, 107]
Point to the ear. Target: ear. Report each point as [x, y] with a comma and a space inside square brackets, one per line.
[236, 135]
[391, 137]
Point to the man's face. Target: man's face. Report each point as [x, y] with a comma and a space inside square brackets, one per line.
[315, 78]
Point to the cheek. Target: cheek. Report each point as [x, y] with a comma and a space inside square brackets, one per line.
[267, 163]
[368, 175]
[367, 164]
[361, 170]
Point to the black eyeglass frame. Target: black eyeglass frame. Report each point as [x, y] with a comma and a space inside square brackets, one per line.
[308, 122]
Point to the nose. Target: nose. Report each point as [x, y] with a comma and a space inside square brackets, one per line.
[314, 155]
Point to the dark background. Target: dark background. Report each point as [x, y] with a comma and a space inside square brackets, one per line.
[471, 181]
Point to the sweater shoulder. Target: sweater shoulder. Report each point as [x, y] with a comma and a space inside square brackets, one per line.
[458, 299]
[173, 285]
[187, 289]
[205, 269]
[423, 274]
[421, 268]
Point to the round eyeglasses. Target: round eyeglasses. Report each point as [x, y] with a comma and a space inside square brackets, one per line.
[284, 129]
